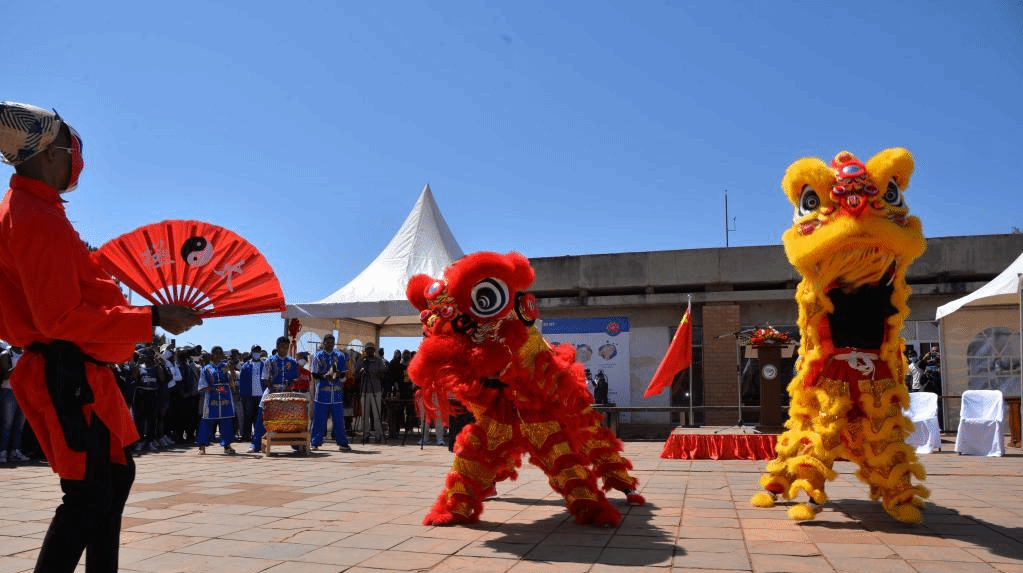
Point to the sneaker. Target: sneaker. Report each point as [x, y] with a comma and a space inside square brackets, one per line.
[17, 456]
[344, 448]
[138, 447]
[153, 446]
[3, 457]
[229, 450]
[166, 442]
[252, 450]
[441, 443]
[202, 450]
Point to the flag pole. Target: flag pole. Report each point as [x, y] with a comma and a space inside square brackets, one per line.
[738, 377]
[689, 418]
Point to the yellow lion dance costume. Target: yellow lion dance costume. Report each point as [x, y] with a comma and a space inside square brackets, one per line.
[852, 240]
[528, 397]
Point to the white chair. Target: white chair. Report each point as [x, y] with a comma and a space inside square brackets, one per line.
[923, 412]
[980, 424]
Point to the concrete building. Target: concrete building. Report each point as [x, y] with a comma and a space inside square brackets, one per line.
[734, 289]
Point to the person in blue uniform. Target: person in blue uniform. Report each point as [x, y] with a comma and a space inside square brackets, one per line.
[280, 373]
[215, 384]
[250, 386]
[329, 368]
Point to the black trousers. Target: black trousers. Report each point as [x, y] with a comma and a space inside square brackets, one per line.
[250, 407]
[190, 414]
[146, 409]
[174, 420]
[89, 519]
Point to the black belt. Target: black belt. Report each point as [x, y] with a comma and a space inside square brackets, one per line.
[68, 388]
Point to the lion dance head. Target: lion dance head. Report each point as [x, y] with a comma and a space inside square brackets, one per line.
[476, 319]
[852, 240]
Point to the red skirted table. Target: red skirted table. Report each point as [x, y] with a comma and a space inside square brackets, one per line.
[710, 446]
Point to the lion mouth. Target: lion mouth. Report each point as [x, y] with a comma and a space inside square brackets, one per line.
[861, 313]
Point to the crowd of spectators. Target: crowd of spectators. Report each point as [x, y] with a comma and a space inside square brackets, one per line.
[923, 374]
[168, 391]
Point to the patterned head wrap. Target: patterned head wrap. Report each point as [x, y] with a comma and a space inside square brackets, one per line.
[25, 130]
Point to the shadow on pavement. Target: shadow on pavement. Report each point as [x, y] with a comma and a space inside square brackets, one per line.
[524, 501]
[558, 539]
[938, 522]
[360, 452]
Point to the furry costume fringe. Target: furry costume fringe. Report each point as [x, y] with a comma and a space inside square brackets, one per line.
[853, 232]
[527, 396]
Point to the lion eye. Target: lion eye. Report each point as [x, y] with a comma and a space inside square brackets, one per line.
[809, 201]
[893, 195]
[489, 298]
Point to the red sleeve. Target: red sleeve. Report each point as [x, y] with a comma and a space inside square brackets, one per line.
[53, 264]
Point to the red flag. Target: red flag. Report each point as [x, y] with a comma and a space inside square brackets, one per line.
[678, 358]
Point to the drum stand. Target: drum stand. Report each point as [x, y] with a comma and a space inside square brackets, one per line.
[301, 439]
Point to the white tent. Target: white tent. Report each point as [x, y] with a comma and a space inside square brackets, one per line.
[1002, 290]
[980, 337]
[373, 304]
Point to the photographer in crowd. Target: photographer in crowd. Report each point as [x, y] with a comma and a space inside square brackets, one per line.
[930, 366]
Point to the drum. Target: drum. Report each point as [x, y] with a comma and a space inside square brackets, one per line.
[286, 412]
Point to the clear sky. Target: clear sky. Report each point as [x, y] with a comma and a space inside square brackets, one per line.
[550, 128]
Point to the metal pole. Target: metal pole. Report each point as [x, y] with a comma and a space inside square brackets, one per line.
[689, 418]
[738, 378]
[726, 217]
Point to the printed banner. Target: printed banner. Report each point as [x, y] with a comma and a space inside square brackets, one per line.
[602, 346]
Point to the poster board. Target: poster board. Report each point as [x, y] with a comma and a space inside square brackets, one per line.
[602, 345]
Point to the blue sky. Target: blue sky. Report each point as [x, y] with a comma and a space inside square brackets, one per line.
[550, 128]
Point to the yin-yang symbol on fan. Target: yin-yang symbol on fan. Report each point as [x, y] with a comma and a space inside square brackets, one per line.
[196, 251]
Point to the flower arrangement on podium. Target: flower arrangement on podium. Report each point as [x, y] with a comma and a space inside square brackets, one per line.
[768, 336]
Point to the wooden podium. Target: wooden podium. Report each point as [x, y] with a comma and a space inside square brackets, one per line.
[770, 387]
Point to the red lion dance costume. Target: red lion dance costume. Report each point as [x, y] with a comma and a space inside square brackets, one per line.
[527, 397]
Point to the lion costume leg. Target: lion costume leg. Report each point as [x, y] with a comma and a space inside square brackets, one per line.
[877, 444]
[807, 450]
[483, 454]
[568, 472]
[603, 449]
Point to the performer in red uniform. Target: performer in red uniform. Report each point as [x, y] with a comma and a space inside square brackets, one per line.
[73, 321]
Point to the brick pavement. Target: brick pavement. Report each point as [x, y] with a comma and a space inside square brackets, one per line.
[360, 513]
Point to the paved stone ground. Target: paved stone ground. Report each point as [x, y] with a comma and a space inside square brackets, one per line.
[360, 512]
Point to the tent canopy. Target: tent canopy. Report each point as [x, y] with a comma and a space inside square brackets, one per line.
[376, 298]
[980, 341]
[1002, 290]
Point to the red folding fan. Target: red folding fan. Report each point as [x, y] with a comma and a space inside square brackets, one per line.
[205, 267]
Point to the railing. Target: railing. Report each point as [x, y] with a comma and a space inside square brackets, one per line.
[613, 414]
